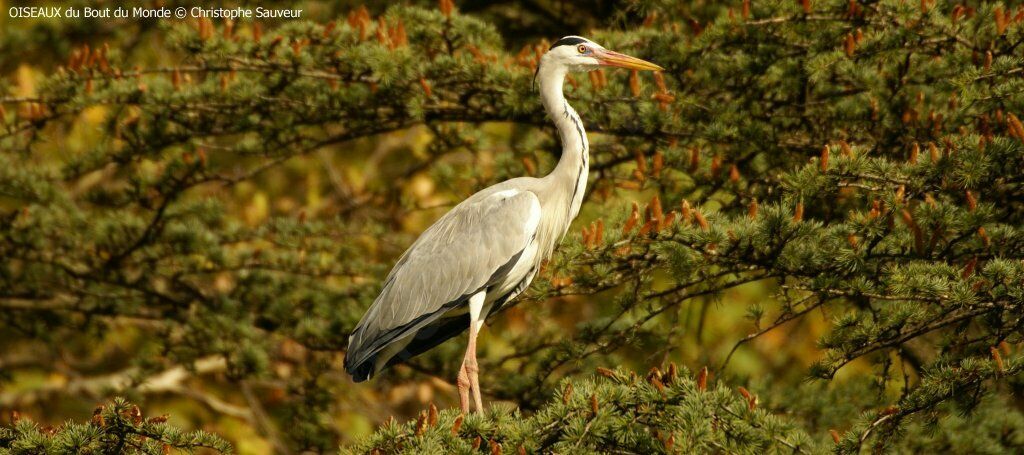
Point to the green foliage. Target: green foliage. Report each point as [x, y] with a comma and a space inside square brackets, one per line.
[115, 428]
[668, 412]
[617, 413]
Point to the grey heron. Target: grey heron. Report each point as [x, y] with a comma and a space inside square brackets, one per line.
[486, 250]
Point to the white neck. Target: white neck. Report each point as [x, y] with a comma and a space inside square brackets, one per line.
[570, 175]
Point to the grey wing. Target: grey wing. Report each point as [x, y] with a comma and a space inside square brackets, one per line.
[467, 250]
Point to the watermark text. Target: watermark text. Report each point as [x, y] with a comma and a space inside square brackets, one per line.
[122, 12]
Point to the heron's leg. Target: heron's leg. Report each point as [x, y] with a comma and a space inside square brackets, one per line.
[476, 304]
[463, 384]
[474, 370]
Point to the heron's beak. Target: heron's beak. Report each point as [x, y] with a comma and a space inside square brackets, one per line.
[612, 58]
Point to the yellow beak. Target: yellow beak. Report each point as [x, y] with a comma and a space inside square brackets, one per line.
[612, 58]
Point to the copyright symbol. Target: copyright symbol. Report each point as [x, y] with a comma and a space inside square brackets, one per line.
[180, 12]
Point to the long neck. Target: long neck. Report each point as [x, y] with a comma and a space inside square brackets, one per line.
[570, 175]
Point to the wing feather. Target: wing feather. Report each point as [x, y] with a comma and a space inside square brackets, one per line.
[468, 249]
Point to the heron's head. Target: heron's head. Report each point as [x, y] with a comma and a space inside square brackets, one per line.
[577, 54]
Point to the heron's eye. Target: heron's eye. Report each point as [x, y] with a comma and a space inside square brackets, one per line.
[582, 49]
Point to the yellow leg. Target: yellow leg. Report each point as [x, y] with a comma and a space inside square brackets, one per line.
[469, 377]
[473, 368]
[463, 384]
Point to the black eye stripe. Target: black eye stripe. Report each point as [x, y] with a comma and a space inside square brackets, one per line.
[568, 41]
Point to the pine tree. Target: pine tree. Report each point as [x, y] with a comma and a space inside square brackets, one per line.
[212, 223]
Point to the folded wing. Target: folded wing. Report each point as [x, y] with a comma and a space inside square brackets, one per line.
[471, 248]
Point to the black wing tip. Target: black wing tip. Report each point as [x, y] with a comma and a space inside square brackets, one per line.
[360, 371]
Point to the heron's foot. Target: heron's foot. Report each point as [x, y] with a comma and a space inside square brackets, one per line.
[463, 383]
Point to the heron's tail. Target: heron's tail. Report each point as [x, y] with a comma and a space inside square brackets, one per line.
[360, 372]
[356, 364]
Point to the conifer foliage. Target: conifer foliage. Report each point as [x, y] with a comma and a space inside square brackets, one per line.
[224, 214]
[118, 427]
